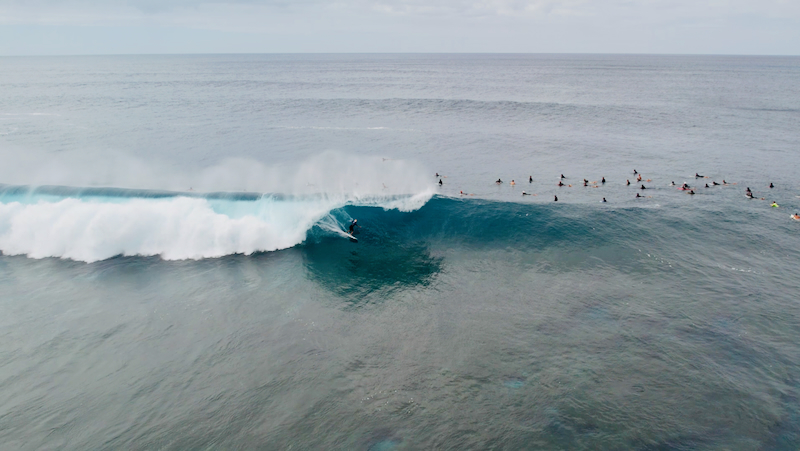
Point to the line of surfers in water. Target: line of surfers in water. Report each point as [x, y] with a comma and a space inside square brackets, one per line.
[684, 187]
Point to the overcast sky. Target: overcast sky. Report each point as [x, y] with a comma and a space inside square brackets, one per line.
[48, 27]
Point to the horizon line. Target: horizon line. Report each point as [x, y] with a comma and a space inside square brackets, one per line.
[409, 53]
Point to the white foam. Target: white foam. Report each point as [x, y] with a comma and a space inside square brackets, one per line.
[177, 228]
[95, 229]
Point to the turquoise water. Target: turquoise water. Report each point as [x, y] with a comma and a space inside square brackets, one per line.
[175, 273]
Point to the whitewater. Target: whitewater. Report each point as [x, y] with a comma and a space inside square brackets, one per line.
[91, 224]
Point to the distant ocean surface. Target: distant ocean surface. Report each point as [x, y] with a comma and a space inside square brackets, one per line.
[176, 274]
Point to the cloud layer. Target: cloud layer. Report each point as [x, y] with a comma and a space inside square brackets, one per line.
[643, 26]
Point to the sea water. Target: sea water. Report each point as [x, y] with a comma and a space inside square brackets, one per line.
[175, 272]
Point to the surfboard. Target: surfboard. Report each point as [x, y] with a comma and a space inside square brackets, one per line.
[353, 239]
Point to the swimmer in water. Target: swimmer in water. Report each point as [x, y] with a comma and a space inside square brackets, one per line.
[512, 182]
[691, 192]
[603, 180]
[707, 186]
[560, 183]
[437, 175]
[585, 183]
[771, 185]
[643, 187]
[638, 196]
[796, 216]
[530, 179]
[628, 182]
[604, 199]
[634, 172]
[672, 184]
[639, 178]
[555, 198]
[499, 181]
[715, 183]
[749, 195]
[685, 186]
[440, 182]
[697, 176]
[774, 204]
[562, 176]
[724, 182]
[525, 194]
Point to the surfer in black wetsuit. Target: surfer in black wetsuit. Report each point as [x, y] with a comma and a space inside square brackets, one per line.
[555, 198]
[707, 186]
[771, 185]
[628, 182]
[634, 172]
[560, 183]
[715, 183]
[562, 176]
[499, 181]
[603, 181]
[440, 182]
[604, 200]
[353, 226]
[697, 176]
[530, 179]
[643, 187]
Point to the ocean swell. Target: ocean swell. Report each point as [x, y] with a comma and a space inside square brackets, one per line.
[174, 228]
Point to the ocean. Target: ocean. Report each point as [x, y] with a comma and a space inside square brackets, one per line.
[176, 272]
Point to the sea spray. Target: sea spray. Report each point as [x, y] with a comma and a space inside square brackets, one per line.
[329, 173]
